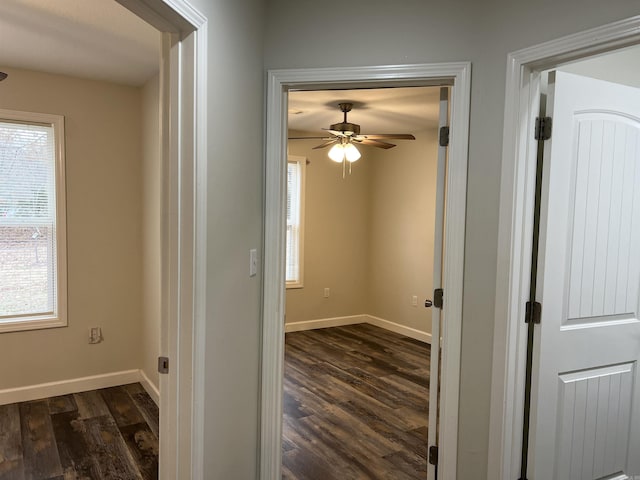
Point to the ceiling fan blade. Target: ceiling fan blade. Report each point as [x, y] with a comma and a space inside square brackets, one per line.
[374, 143]
[324, 137]
[326, 144]
[337, 133]
[396, 136]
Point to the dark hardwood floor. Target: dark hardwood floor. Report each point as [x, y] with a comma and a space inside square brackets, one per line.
[356, 402]
[110, 433]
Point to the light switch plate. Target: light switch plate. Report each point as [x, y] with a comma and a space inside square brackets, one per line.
[253, 262]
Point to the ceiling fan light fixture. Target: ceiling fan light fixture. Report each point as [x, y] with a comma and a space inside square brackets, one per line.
[337, 153]
[342, 136]
[351, 153]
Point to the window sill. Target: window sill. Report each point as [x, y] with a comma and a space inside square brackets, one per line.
[294, 285]
[31, 323]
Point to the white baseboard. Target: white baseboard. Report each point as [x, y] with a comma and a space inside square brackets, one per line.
[401, 329]
[324, 323]
[150, 387]
[74, 385]
[353, 319]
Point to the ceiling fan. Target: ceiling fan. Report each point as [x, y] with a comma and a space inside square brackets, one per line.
[346, 133]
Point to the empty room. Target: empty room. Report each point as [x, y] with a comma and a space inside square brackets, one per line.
[80, 178]
[359, 267]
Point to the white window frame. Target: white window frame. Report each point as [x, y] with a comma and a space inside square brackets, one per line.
[302, 162]
[59, 316]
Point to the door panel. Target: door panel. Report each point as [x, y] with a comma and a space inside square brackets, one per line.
[595, 404]
[585, 384]
[604, 217]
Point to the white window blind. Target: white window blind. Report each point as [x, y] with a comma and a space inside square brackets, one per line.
[28, 221]
[295, 178]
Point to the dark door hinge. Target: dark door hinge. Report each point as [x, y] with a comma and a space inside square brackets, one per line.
[444, 136]
[533, 312]
[543, 128]
[163, 365]
[438, 298]
[433, 455]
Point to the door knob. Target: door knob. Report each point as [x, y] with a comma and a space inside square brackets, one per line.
[428, 303]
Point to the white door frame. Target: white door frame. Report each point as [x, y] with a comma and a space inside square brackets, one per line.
[516, 227]
[279, 82]
[183, 80]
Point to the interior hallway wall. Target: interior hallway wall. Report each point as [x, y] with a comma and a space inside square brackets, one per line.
[336, 238]
[103, 161]
[151, 203]
[617, 67]
[416, 31]
[235, 111]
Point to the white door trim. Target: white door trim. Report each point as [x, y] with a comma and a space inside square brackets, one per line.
[183, 80]
[516, 225]
[279, 81]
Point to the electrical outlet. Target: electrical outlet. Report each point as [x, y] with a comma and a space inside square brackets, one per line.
[95, 335]
[326, 293]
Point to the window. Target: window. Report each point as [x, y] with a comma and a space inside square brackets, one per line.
[33, 290]
[295, 220]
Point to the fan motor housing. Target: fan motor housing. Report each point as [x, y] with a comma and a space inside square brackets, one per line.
[346, 128]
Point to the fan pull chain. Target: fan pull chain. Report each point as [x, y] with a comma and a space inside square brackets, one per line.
[343, 168]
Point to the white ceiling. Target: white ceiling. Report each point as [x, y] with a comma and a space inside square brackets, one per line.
[380, 110]
[97, 39]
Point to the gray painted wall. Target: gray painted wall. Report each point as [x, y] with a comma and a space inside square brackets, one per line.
[621, 66]
[235, 196]
[306, 33]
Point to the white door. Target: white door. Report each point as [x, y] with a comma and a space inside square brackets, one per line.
[438, 253]
[586, 382]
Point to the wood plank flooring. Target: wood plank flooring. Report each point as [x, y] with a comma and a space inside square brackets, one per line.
[356, 402]
[110, 433]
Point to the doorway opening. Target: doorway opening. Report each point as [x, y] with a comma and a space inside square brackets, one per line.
[280, 82]
[578, 83]
[360, 262]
